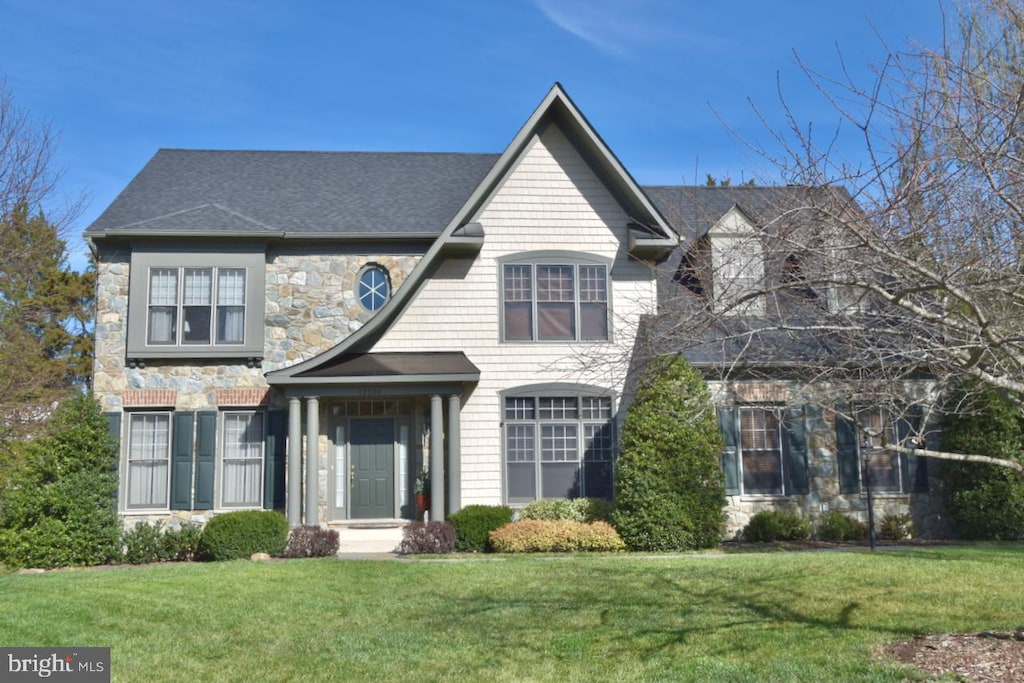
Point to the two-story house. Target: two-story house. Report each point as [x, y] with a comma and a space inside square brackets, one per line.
[310, 331]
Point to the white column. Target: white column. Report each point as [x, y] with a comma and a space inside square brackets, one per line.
[312, 461]
[436, 459]
[454, 455]
[294, 462]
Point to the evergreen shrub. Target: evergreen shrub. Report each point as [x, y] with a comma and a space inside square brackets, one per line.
[573, 509]
[58, 508]
[237, 535]
[768, 526]
[835, 526]
[669, 491]
[474, 523]
[896, 528]
[556, 536]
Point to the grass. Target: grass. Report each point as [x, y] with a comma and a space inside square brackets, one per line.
[772, 617]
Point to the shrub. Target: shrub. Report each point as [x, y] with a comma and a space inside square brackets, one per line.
[474, 523]
[143, 543]
[182, 544]
[556, 536]
[427, 537]
[237, 535]
[574, 509]
[985, 501]
[668, 480]
[835, 526]
[58, 507]
[776, 525]
[312, 541]
[896, 528]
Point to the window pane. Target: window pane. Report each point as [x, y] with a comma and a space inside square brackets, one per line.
[596, 408]
[148, 460]
[593, 321]
[519, 409]
[558, 443]
[518, 302]
[554, 283]
[522, 483]
[242, 461]
[558, 408]
[556, 321]
[597, 480]
[163, 287]
[231, 306]
[518, 321]
[761, 446]
[593, 302]
[560, 480]
[882, 466]
[520, 443]
[598, 443]
[163, 306]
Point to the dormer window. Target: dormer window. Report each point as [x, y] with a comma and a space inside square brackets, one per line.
[737, 261]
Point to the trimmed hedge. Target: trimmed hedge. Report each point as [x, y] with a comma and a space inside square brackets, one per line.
[145, 543]
[776, 525]
[474, 523]
[427, 537]
[311, 541]
[835, 526]
[574, 509]
[556, 536]
[237, 535]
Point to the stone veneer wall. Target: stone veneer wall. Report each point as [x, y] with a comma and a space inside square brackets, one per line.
[925, 509]
[311, 305]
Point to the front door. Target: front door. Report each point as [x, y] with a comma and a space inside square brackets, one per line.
[372, 443]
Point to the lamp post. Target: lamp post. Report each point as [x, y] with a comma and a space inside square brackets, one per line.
[865, 450]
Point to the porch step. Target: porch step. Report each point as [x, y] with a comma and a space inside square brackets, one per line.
[367, 538]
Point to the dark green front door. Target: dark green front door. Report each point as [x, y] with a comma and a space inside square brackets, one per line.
[372, 442]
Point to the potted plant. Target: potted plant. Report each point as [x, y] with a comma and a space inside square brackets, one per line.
[422, 491]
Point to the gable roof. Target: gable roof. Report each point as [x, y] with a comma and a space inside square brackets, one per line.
[558, 109]
[293, 194]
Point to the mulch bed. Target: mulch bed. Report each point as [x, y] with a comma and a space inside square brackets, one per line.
[974, 657]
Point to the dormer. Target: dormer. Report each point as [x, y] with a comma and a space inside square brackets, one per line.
[737, 263]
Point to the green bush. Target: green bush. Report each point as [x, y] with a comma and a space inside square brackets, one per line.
[143, 543]
[668, 481]
[237, 535]
[312, 541]
[777, 525]
[985, 501]
[835, 526]
[556, 536]
[896, 528]
[474, 523]
[427, 537]
[58, 508]
[574, 509]
[182, 544]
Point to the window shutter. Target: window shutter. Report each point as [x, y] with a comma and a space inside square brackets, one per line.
[274, 460]
[114, 425]
[915, 469]
[847, 453]
[206, 451]
[794, 451]
[181, 461]
[730, 456]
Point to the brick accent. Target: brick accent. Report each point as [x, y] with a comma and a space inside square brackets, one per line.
[149, 398]
[760, 393]
[242, 397]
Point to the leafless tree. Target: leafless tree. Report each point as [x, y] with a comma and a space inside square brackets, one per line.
[903, 273]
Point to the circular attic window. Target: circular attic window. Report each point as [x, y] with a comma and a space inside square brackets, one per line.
[374, 287]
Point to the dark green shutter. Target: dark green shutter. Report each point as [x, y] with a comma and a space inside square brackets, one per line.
[794, 451]
[206, 452]
[914, 468]
[730, 455]
[114, 425]
[274, 460]
[181, 461]
[847, 452]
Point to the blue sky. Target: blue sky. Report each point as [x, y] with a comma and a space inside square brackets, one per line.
[120, 79]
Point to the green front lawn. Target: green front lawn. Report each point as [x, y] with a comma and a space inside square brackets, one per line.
[811, 616]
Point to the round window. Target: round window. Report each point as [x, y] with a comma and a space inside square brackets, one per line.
[374, 288]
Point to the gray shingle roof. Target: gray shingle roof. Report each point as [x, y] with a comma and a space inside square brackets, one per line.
[314, 193]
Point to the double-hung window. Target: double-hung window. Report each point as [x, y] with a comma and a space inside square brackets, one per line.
[761, 450]
[242, 442]
[149, 453]
[196, 306]
[558, 447]
[764, 450]
[555, 302]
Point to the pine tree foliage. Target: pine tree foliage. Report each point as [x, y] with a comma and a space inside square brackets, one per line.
[669, 491]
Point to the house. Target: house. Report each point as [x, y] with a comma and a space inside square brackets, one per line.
[309, 331]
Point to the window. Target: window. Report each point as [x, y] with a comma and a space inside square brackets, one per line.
[765, 450]
[201, 304]
[242, 442]
[738, 264]
[558, 447]
[186, 294]
[761, 450]
[149, 452]
[555, 302]
[374, 287]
